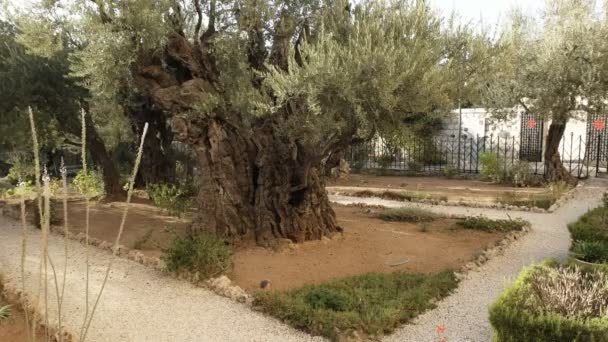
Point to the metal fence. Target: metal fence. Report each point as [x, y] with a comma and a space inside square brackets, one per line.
[443, 154]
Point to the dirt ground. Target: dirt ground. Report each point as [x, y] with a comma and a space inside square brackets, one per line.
[14, 328]
[367, 245]
[147, 228]
[456, 190]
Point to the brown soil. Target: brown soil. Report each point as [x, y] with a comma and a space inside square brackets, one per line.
[147, 228]
[14, 328]
[442, 188]
[367, 245]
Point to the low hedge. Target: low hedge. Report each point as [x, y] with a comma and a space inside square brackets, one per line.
[512, 319]
[592, 226]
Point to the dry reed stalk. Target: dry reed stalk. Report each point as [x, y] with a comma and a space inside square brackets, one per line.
[35, 147]
[23, 254]
[87, 218]
[120, 230]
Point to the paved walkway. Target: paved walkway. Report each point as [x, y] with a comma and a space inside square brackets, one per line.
[140, 304]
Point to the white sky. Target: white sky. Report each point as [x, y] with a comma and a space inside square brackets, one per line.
[490, 11]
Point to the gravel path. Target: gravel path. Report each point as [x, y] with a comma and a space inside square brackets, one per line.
[465, 313]
[138, 304]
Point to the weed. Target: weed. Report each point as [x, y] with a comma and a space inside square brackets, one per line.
[449, 171]
[203, 254]
[5, 312]
[487, 225]
[406, 214]
[373, 303]
[88, 184]
[491, 167]
[514, 198]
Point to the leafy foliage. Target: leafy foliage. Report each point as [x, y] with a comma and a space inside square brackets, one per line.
[89, 184]
[492, 167]
[203, 255]
[171, 197]
[374, 303]
[407, 214]
[488, 225]
[590, 251]
[552, 303]
[5, 312]
[590, 236]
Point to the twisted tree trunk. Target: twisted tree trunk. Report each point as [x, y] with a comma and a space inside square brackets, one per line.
[554, 168]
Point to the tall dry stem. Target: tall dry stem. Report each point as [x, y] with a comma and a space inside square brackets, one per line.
[23, 254]
[120, 230]
[87, 218]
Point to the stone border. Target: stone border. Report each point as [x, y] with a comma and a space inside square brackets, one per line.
[560, 201]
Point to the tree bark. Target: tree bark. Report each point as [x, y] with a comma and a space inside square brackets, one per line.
[101, 158]
[257, 187]
[554, 168]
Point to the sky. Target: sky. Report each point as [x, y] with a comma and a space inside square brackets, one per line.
[490, 11]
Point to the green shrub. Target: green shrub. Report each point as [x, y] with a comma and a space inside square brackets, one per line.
[552, 304]
[170, 197]
[487, 225]
[373, 303]
[592, 226]
[521, 174]
[449, 171]
[492, 167]
[202, 254]
[405, 214]
[590, 251]
[90, 184]
[385, 161]
[22, 168]
[514, 198]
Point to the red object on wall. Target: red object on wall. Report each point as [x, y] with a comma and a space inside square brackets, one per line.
[531, 123]
[599, 125]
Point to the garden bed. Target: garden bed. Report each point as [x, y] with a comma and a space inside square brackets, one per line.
[460, 192]
[550, 302]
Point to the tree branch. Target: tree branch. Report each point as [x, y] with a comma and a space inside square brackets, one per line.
[199, 21]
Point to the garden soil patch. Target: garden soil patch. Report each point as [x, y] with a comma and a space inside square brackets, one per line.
[454, 190]
[367, 245]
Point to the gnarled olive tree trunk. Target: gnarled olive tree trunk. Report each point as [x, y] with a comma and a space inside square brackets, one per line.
[256, 183]
[554, 168]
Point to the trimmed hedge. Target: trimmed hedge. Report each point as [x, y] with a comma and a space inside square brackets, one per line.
[593, 226]
[511, 321]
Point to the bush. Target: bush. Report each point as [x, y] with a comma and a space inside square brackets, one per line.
[590, 251]
[552, 304]
[22, 168]
[385, 161]
[449, 171]
[373, 303]
[520, 174]
[407, 215]
[592, 226]
[492, 167]
[170, 197]
[90, 184]
[485, 224]
[202, 254]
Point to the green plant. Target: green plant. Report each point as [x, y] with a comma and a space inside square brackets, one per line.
[5, 312]
[491, 167]
[557, 189]
[89, 184]
[515, 198]
[407, 214]
[385, 161]
[449, 171]
[592, 226]
[143, 240]
[424, 227]
[590, 251]
[170, 197]
[203, 254]
[605, 199]
[552, 303]
[22, 168]
[488, 225]
[373, 303]
[521, 174]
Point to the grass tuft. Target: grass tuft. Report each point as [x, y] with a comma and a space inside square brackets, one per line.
[373, 303]
[488, 225]
[407, 215]
[5, 312]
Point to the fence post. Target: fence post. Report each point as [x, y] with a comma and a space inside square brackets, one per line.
[597, 156]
